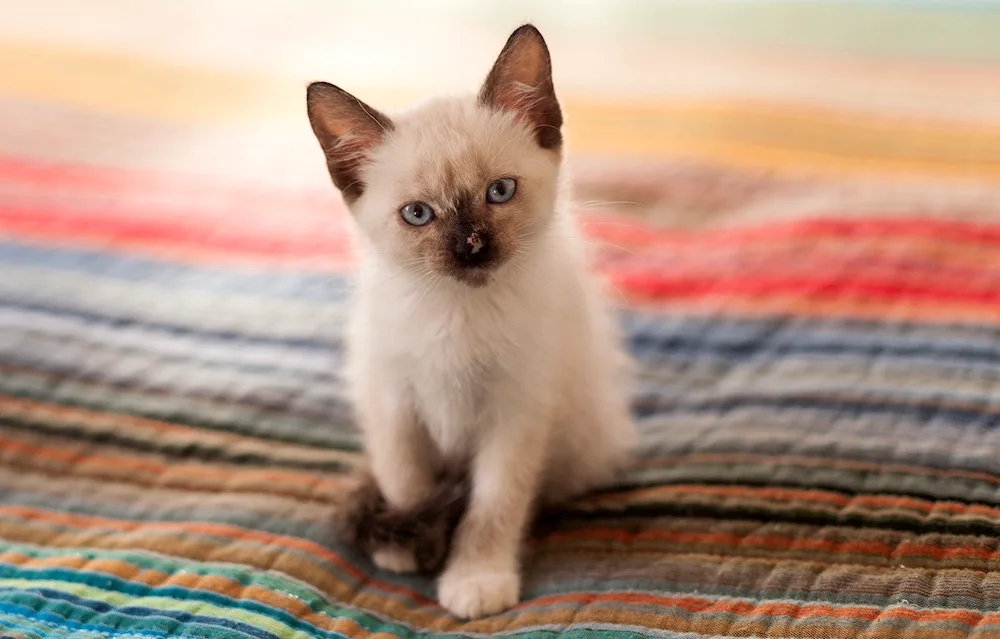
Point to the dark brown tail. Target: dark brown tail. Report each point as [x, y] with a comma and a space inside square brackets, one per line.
[366, 521]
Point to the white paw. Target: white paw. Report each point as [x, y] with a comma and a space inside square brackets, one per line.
[395, 559]
[470, 594]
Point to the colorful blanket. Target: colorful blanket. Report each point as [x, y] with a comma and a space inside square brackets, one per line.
[796, 206]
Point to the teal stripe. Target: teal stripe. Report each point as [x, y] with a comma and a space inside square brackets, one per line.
[60, 609]
[31, 626]
[119, 586]
[244, 575]
[365, 620]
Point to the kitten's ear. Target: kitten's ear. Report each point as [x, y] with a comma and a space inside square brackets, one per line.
[347, 130]
[521, 81]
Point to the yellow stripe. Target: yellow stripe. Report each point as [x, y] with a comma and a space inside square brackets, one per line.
[747, 134]
[786, 136]
[132, 86]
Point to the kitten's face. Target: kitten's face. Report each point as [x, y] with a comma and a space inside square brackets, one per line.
[457, 190]
[455, 187]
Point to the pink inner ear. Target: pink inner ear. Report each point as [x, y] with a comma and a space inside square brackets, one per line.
[526, 65]
[521, 82]
[518, 75]
[347, 129]
[353, 128]
[334, 123]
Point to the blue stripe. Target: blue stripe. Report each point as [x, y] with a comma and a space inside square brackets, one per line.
[73, 624]
[260, 282]
[32, 626]
[45, 597]
[649, 405]
[739, 339]
[652, 335]
[224, 336]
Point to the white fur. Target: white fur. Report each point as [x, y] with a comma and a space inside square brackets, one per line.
[522, 379]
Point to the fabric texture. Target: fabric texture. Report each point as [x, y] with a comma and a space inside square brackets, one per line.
[803, 240]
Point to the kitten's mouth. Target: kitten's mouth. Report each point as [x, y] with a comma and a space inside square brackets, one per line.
[476, 276]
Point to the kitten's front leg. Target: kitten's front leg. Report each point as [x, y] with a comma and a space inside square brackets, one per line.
[402, 460]
[482, 576]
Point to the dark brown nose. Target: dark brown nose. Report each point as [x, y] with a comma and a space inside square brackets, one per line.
[472, 246]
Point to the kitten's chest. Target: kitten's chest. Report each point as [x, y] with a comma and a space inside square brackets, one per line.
[450, 372]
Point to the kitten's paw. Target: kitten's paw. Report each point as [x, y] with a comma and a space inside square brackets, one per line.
[470, 594]
[395, 559]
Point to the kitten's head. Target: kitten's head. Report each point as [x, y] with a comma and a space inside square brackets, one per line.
[455, 186]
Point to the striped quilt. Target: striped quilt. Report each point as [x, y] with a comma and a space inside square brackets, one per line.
[796, 208]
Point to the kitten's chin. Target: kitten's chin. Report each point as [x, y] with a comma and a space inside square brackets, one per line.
[474, 277]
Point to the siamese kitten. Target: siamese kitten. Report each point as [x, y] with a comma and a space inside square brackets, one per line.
[477, 341]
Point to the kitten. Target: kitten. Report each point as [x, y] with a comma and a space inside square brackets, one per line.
[477, 340]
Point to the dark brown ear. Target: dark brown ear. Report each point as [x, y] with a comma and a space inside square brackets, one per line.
[347, 130]
[521, 81]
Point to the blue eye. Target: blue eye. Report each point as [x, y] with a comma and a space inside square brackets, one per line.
[501, 191]
[417, 213]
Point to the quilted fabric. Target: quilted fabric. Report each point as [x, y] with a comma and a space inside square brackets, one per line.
[803, 239]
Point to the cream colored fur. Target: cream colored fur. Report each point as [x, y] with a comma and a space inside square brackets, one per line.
[522, 379]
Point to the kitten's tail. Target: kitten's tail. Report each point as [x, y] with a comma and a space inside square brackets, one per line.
[367, 522]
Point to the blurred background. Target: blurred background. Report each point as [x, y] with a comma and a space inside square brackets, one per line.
[797, 205]
[686, 112]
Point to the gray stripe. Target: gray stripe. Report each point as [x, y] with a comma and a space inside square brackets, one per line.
[333, 431]
[242, 314]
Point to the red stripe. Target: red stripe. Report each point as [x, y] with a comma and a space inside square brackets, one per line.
[639, 235]
[273, 202]
[298, 225]
[652, 284]
[777, 542]
[104, 180]
[182, 233]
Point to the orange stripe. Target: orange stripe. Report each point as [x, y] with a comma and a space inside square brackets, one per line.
[742, 608]
[25, 408]
[228, 476]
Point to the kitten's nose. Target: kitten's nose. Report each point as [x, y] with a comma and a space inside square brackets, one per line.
[472, 247]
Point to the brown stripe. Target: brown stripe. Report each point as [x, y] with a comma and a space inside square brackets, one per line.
[787, 498]
[816, 462]
[581, 542]
[62, 458]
